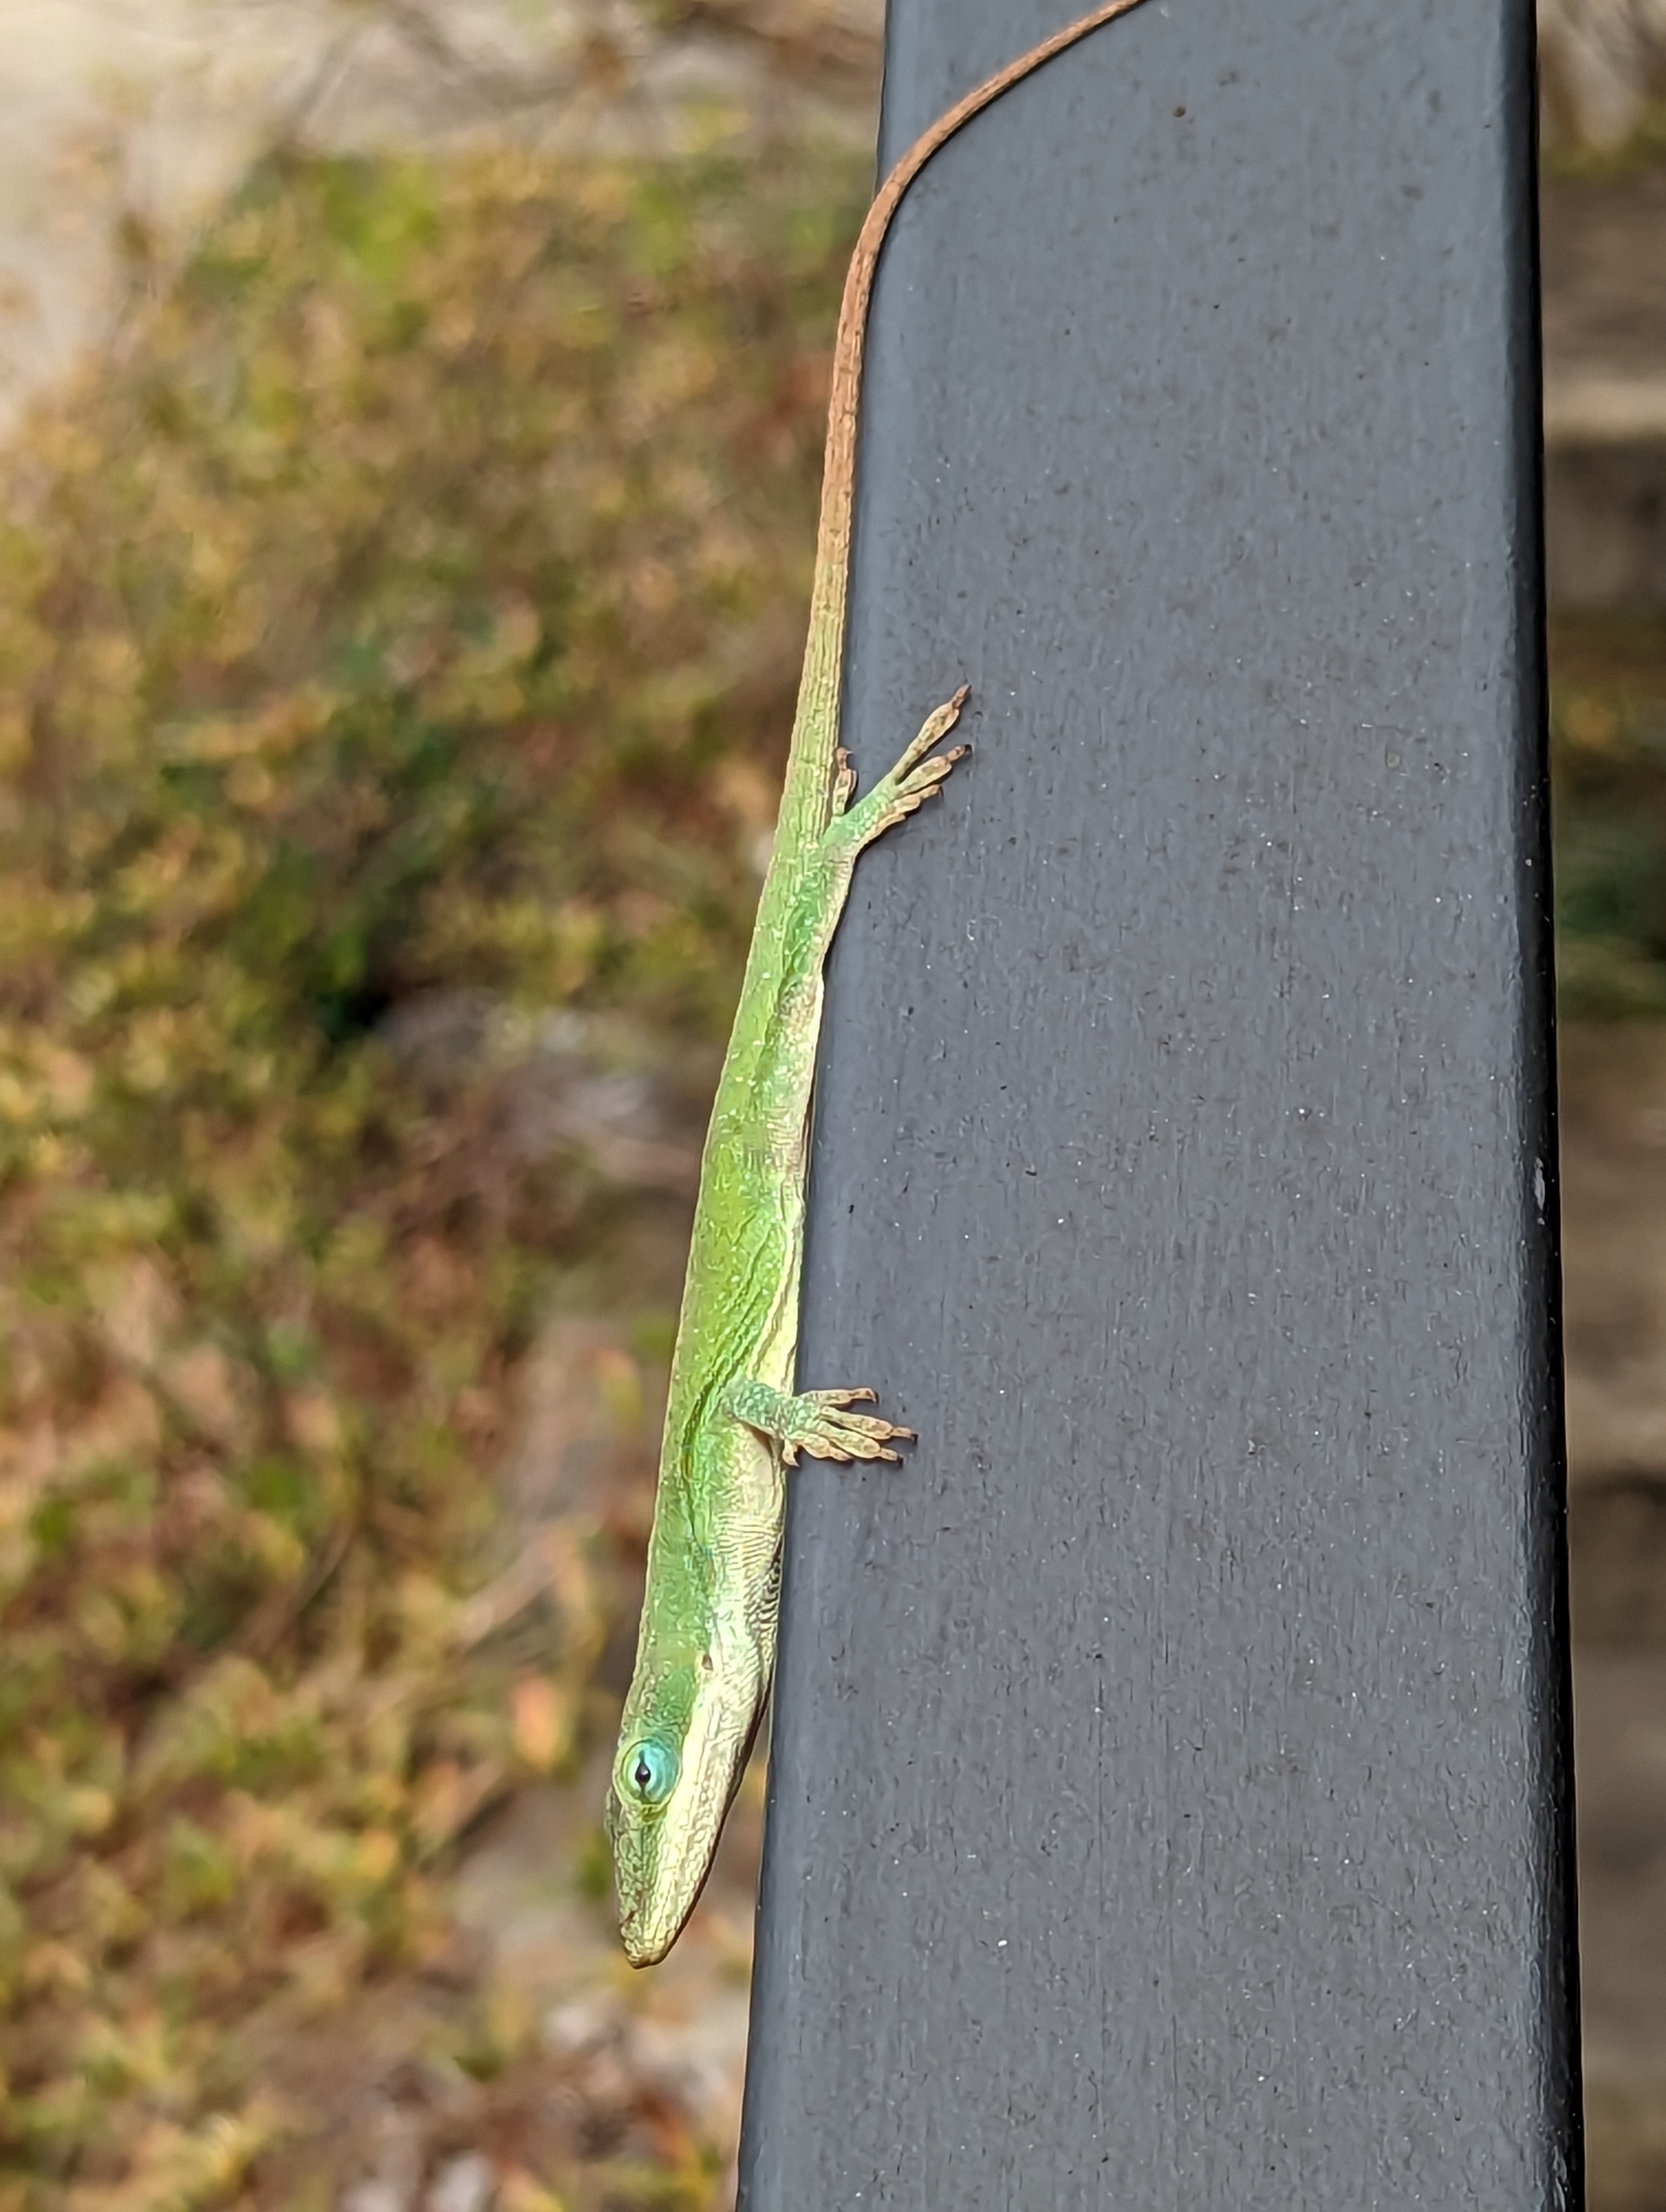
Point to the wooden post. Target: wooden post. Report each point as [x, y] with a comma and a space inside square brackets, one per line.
[1169, 1804]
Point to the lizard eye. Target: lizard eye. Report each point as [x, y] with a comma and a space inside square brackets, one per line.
[649, 1770]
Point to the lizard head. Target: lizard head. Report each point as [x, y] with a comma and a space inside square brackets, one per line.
[688, 1729]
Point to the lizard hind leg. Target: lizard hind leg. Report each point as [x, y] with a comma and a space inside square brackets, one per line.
[817, 1422]
[916, 778]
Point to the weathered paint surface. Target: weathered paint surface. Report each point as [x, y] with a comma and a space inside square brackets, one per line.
[1170, 1793]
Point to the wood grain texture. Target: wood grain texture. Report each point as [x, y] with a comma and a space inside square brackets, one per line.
[1169, 1796]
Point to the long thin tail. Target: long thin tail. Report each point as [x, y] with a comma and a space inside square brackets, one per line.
[810, 764]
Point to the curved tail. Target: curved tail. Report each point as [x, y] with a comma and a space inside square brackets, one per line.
[810, 767]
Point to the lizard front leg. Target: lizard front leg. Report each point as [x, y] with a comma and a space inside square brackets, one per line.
[814, 1421]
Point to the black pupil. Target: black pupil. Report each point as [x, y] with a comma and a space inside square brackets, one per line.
[642, 1774]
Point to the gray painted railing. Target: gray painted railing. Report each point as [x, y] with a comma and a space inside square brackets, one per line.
[1169, 1798]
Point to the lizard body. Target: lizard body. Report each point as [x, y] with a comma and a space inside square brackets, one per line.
[734, 1419]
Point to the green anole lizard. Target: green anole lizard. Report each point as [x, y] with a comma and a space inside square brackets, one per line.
[735, 1420]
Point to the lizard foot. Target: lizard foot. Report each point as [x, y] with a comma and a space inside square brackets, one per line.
[916, 777]
[817, 1422]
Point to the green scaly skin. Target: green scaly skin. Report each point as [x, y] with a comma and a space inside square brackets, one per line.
[735, 1421]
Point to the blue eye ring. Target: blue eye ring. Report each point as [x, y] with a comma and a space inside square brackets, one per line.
[648, 1771]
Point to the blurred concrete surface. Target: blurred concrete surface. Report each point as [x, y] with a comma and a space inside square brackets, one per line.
[150, 103]
[156, 105]
[1599, 61]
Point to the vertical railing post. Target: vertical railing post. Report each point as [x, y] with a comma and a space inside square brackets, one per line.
[1169, 1798]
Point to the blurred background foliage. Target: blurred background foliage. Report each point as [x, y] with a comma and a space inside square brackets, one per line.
[398, 630]
[1608, 762]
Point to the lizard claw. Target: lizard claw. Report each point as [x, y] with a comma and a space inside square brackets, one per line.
[844, 782]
